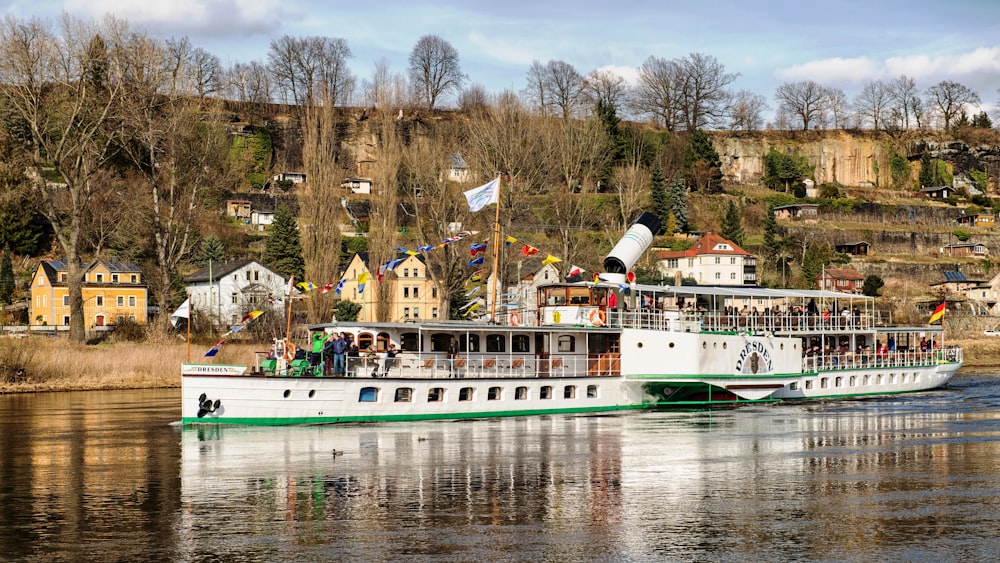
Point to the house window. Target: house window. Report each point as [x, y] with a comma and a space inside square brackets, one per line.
[114, 278]
[520, 394]
[519, 343]
[416, 273]
[100, 278]
[435, 395]
[416, 312]
[732, 260]
[406, 272]
[131, 301]
[404, 395]
[65, 300]
[368, 395]
[434, 293]
[248, 275]
[434, 313]
[236, 298]
[493, 394]
[545, 392]
[416, 292]
[406, 312]
[567, 343]
[406, 293]
[718, 275]
[718, 259]
[569, 392]
[131, 318]
[465, 394]
[732, 275]
[65, 320]
[121, 301]
[133, 278]
[256, 275]
[495, 343]
[99, 300]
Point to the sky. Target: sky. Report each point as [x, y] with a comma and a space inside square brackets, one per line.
[768, 42]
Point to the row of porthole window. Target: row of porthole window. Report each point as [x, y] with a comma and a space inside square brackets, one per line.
[496, 393]
[866, 380]
[716, 345]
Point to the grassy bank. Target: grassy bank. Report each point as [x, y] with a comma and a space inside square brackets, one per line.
[56, 364]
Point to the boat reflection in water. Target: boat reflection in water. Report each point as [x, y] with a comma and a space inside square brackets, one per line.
[859, 480]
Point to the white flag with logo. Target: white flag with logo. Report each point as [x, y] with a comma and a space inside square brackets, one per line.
[182, 312]
[483, 195]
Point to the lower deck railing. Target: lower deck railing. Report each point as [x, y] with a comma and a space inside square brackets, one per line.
[895, 359]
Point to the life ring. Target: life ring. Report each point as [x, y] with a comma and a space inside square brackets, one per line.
[289, 352]
[514, 319]
[598, 317]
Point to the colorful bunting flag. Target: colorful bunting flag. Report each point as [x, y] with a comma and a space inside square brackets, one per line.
[529, 250]
[550, 259]
[340, 285]
[484, 195]
[477, 248]
[362, 280]
[471, 309]
[509, 241]
[214, 349]
[575, 271]
[251, 316]
[306, 286]
[477, 261]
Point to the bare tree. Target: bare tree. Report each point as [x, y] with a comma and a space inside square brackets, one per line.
[386, 89]
[174, 142]
[837, 108]
[604, 86]
[434, 69]
[311, 68]
[536, 90]
[806, 100]
[703, 95]
[746, 111]
[61, 89]
[904, 97]
[873, 103]
[319, 209]
[248, 83]
[564, 85]
[658, 92]
[206, 73]
[473, 98]
[949, 99]
[384, 208]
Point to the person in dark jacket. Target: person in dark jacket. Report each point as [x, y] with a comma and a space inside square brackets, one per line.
[339, 349]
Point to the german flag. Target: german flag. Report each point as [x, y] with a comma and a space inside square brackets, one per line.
[937, 315]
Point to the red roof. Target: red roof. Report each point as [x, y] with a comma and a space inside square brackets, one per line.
[842, 274]
[709, 245]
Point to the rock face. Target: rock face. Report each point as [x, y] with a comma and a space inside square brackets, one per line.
[851, 159]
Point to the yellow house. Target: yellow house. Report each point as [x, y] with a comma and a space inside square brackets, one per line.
[414, 295]
[112, 293]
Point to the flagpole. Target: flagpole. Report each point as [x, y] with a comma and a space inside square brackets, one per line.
[288, 325]
[189, 328]
[496, 254]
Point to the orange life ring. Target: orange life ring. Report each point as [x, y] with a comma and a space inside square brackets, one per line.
[598, 317]
[514, 319]
[289, 352]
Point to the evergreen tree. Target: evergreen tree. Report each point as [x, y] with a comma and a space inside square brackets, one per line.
[7, 281]
[982, 121]
[346, 311]
[702, 163]
[670, 224]
[283, 252]
[780, 169]
[872, 285]
[658, 194]
[927, 175]
[608, 115]
[211, 250]
[732, 225]
[772, 244]
[679, 203]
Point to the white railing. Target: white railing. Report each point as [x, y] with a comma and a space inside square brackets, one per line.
[897, 359]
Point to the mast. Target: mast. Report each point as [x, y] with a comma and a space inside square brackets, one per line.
[496, 253]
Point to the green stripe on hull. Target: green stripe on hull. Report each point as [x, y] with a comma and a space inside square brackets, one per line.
[401, 417]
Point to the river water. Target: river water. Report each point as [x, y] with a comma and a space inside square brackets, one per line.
[109, 476]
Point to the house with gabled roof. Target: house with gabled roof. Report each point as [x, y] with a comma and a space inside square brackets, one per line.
[844, 280]
[413, 292]
[521, 296]
[977, 220]
[113, 292]
[711, 260]
[969, 249]
[225, 291]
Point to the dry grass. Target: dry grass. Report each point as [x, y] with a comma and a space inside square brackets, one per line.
[55, 364]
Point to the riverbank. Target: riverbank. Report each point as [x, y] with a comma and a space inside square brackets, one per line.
[55, 364]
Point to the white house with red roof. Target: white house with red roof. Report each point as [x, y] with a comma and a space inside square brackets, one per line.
[711, 260]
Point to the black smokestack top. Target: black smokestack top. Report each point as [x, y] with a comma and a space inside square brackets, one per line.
[635, 241]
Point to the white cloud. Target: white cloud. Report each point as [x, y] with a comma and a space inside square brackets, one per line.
[983, 60]
[506, 51]
[835, 70]
[629, 73]
[205, 17]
